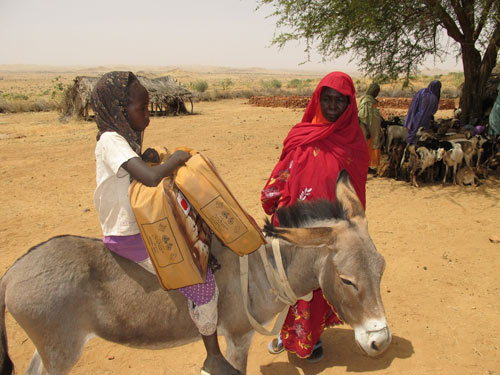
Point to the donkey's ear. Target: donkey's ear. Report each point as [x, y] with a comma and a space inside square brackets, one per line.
[347, 197]
[320, 236]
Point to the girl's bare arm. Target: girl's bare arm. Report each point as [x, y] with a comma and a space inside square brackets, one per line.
[152, 175]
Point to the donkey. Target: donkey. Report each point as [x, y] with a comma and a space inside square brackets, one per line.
[69, 289]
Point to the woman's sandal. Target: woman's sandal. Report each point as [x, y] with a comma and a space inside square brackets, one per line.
[275, 346]
[317, 353]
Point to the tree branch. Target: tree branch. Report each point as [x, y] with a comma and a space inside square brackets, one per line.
[446, 21]
[482, 19]
[490, 55]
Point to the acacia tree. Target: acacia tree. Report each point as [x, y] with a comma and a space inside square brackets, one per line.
[390, 39]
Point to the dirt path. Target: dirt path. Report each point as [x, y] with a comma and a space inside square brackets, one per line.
[440, 289]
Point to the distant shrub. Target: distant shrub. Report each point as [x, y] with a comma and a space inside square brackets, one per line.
[276, 84]
[200, 86]
[449, 92]
[396, 93]
[24, 105]
[5, 106]
[295, 84]
[14, 96]
[458, 78]
[273, 84]
[226, 83]
[361, 88]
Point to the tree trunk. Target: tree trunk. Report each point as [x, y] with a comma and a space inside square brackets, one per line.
[470, 99]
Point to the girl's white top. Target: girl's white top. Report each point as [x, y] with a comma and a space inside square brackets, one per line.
[111, 195]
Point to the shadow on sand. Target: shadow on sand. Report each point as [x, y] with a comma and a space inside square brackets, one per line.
[340, 349]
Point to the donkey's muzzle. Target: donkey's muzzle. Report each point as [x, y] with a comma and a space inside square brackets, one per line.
[373, 342]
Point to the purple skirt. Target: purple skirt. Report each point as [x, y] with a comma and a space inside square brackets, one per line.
[133, 248]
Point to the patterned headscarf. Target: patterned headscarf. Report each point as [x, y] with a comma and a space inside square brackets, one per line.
[109, 101]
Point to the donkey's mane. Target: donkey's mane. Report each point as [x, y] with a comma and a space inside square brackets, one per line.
[301, 214]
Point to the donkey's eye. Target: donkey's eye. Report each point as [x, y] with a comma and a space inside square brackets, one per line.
[349, 282]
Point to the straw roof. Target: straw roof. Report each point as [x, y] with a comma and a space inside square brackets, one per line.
[166, 96]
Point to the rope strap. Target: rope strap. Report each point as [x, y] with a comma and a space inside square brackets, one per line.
[280, 287]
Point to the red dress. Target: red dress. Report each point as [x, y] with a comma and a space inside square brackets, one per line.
[314, 152]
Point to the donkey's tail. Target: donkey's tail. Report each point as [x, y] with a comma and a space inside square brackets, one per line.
[6, 365]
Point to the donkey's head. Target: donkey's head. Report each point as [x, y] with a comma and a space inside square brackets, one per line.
[348, 266]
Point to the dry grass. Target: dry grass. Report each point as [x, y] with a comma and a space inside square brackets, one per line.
[27, 89]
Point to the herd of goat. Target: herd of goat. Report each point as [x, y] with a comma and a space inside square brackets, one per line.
[445, 152]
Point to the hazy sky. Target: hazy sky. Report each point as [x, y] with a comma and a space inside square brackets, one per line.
[230, 33]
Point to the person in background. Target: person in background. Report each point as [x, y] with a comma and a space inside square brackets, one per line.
[423, 107]
[328, 139]
[121, 106]
[494, 118]
[370, 120]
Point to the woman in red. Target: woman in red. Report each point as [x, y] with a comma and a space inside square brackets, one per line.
[327, 140]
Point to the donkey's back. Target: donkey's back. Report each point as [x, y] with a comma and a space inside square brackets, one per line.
[69, 289]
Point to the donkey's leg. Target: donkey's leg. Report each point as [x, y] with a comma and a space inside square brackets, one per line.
[36, 365]
[237, 350]
[56, 354]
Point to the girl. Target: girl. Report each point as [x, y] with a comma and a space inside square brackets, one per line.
[121, 106]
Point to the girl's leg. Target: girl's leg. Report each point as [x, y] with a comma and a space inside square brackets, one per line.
[205, 318]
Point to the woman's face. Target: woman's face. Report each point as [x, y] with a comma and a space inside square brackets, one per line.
[332, 103]
[138, 108]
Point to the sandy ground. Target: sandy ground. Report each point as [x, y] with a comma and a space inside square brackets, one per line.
[440, 288]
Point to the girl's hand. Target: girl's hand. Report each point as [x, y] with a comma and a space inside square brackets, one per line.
[181, 156]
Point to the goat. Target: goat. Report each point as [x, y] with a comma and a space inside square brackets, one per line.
[466, 176]
[487, 148]
[452, 158]
[469, 147]
[423, 133]
[390, 168]
[445, 125]
[396, 153]
[421, 158]
[395, 132]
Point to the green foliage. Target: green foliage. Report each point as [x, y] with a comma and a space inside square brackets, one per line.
[226, 83]
[295, 84]
[273, 84]
[58, 86]
[200, 86]
[14, 96]
[458, 78]
[389, 38]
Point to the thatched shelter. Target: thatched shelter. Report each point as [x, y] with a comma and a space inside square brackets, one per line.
[166, 96]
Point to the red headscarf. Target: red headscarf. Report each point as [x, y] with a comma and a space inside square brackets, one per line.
[315, 151]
